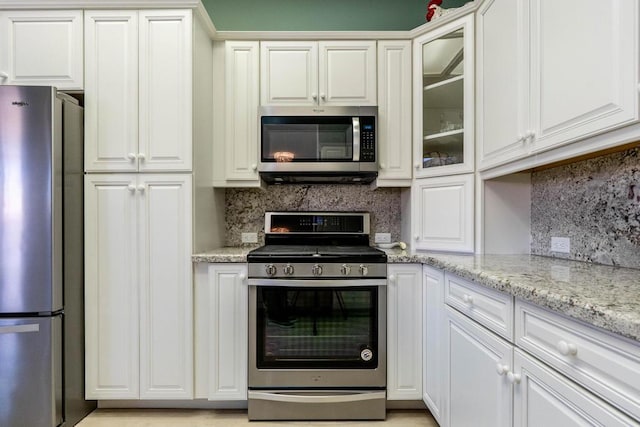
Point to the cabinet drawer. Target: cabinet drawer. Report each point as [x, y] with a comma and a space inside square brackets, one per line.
[605, 364]
[490, 308]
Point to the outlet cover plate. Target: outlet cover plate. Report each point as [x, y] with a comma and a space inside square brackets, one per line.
[382, 238]
[561, 245]
[249, 237]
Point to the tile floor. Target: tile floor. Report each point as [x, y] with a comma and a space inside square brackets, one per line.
[234, 418]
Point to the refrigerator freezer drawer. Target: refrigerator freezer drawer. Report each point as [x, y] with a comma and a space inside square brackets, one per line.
[31, 371]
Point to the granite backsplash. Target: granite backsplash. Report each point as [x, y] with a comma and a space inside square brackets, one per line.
[596, 203]
[245, 208]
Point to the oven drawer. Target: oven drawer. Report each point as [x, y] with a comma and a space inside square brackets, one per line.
[605, 364]
[317, 405]
[490, 308]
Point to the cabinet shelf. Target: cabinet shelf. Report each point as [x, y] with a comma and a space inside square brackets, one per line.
[446, 137]
[445, 94]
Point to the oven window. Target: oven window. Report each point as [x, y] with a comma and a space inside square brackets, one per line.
[317, 327]
[303, 139]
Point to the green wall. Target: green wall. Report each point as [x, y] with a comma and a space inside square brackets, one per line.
[319, 15]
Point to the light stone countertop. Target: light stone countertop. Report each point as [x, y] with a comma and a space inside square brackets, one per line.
[600, 295]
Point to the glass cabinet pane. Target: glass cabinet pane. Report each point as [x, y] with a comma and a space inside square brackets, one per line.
[443, 100]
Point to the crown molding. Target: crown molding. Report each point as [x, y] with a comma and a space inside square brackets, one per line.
[312, 35]
[99, 4]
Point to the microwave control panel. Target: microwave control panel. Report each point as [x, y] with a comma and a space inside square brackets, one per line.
[367, 139]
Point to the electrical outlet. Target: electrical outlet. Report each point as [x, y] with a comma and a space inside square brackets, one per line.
[249, 237]
[561, 244]
[382, 238]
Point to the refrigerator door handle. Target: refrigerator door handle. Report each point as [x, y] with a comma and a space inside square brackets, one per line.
[19, 329]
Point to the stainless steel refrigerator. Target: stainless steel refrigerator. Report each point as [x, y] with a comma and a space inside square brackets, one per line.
[41, 259]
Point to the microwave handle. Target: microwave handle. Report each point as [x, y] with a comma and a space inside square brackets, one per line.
[356, 138]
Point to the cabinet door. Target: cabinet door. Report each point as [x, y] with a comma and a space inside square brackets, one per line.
[165, 275]
[404, 332]
[433, 336]
[41, 48]
[543, 397]
[347, 72]
[443, 213]
[165, 77]
[228, 332]
[478, 391]
[288, 73]
[584, 66]
[503, 81]
[241, 112]
[111, 91]
[394, 113]
[443, 100]
[111, 287]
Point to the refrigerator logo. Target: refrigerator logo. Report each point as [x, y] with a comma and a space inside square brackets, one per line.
[20, 103]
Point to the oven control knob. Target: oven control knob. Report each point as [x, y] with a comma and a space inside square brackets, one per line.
[366, 354]
[345, 269]
[316, 270]
[364, 270]
[288, 269]
[270, 269]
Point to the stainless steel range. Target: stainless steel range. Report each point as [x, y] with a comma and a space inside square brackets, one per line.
[317, 319]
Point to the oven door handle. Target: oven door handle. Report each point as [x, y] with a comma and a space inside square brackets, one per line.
[328, 398]
[313, 283]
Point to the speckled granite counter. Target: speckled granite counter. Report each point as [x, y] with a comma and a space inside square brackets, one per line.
[603, 296]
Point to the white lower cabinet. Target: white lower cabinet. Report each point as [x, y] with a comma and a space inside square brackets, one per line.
[432, 337]
[404, 332]
[543, 397]
[221, 331]
[138, 291]
[478, 392]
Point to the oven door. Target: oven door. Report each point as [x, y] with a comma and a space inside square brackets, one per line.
[317, 333]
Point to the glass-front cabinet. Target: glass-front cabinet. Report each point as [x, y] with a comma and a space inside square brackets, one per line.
[443, 109]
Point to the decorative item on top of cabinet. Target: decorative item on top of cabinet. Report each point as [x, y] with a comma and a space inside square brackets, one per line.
[308, 73]
[443, 213]
[394, 113]
[138, 95]
[443, 100]
[236, 127]
[551, 74]
[41, 48]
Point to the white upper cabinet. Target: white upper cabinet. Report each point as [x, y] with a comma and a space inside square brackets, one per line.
[300, 73]
[394, 113]
[443, 100]
[138, 91]
[41, 48]
[235, 118]
[550, 74]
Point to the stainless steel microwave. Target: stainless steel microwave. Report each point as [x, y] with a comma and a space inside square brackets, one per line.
[318, 144]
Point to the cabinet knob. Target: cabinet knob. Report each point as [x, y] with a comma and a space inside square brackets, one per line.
[520, 138]
[417, 166]
[3, 75]
[131, 187]
[416, 237]
[392, 278]
[502, 369]
[513, 378]
[383, 166]
[254, 167]
[141, 188]
[141, 156]
[529, 135]
[131, 156]
[323, 96]
[567, 349]
[468, 299]
[314, 95]
[242, 277]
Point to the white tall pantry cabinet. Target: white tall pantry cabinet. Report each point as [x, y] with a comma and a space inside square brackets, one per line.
[140, 88]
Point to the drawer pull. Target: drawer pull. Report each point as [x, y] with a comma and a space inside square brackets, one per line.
[467, 299]
[567, 349]
[502, 369]
[513, 378]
